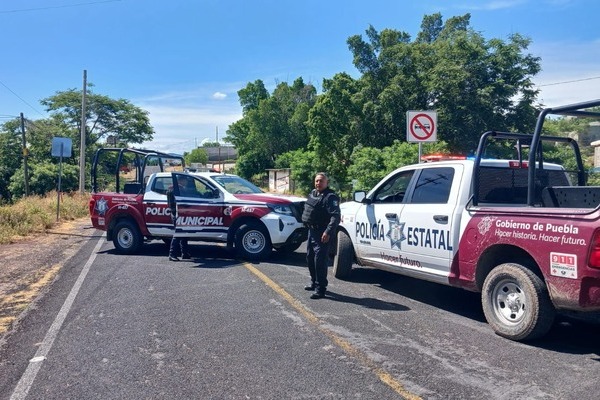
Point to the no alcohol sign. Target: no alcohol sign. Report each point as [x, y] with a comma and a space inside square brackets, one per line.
[421, 126]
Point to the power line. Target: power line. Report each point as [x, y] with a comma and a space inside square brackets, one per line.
[53, 7]
[20, 98]
[573, 81]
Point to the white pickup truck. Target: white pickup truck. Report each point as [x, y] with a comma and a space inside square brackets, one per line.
[524, 233]
[216, 207]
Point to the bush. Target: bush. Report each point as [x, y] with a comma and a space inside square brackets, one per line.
[43, 178]
[35, 214]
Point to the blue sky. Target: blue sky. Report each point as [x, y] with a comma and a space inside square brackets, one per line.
[184, 60]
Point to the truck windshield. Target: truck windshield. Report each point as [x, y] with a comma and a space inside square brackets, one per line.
[235, 184]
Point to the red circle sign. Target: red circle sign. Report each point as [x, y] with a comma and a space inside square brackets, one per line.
[422, 125]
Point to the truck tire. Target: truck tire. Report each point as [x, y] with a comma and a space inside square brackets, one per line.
[127, 237]
[516, 303]
[344, 256]
[252, 241]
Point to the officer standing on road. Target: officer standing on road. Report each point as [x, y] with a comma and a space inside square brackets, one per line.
[178, 245]
[321, 216]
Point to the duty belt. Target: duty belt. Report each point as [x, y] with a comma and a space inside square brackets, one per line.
[315, 226]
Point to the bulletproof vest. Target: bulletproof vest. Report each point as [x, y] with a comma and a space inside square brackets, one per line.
[315, 211]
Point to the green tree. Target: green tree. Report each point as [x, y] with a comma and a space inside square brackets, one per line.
[366, 170]
[39, 136]
[250, 164]
[370, 164]
[39, 140]
[104, 116]
[11, 156]
[271, 125]
[43, 178]
[197, 155]
[252, 95]
[563, 154]
[401, 153]
[475, 85]
[334, 124]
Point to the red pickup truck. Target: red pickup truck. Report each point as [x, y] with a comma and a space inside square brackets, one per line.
[219, 208]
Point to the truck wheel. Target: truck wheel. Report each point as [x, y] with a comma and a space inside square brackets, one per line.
[127, 237]
[252, 241]
[342, 262]
[516, 303]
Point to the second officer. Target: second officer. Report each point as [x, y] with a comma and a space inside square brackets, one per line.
[321, 216]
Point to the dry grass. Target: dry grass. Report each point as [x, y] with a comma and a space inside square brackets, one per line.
[35, 214]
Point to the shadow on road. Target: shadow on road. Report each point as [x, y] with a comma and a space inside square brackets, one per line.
[366, 302]
[570, 334]
[295, 259]
[454, 300]
[88, 232]
[214, 255]
[203, 255]
[573, 336]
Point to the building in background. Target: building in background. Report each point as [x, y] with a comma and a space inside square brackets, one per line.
[280, 180]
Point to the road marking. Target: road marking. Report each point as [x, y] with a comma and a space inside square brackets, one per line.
[346, 346]
[37, 361]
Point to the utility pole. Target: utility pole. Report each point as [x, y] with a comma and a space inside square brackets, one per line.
[82, 141]
[25, 156]
[219, 144]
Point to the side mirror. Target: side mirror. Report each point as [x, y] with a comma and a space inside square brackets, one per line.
[360, 196]
[216, 193]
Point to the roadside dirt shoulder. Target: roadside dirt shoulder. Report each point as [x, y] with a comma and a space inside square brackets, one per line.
[31, 263]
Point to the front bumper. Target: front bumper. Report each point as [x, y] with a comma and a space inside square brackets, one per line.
[284, 229]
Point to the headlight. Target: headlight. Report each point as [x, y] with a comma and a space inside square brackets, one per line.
[281, 209]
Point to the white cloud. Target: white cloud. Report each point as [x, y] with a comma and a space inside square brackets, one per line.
[182, 119]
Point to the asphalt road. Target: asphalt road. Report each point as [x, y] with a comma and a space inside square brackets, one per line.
[141, 327]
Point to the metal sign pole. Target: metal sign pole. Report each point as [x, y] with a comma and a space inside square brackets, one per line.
[59, 183]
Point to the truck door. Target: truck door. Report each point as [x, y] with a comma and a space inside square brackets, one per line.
[377, 226]
[156, 210]
[200, 208]
[428, 218]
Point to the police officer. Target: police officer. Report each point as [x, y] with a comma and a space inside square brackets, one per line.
[321, 216]
[178, 245]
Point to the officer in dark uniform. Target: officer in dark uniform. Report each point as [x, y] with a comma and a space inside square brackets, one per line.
[321, 216]
[179, 245]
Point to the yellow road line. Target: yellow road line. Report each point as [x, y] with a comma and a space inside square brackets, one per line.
[339, 341]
